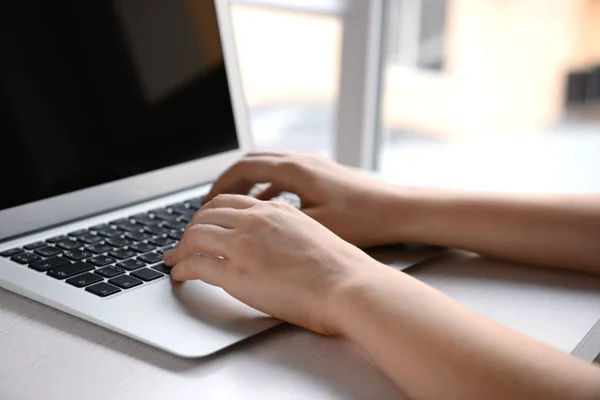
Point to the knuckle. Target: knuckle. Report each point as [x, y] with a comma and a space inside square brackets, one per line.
[201, 215]
[197, 217]
[216, 202]
[243, 241]
[242, 165]
[189, 237]
[220, 198]
[279, 206]
[194, 229]
[286, 206]
[290, 165]
[256, 218]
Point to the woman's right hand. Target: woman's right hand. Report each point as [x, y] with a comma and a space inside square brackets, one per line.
[356, 207]
[275, 259]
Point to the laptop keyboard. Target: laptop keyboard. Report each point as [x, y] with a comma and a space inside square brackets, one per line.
[110, 258]
[116, 256]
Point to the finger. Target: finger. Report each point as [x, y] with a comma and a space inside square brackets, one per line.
[274, 153]
[199, 239]
[233, 201]
[207, 269]
[224, 217]
[226, 204]
[241, 177]
[270, 192]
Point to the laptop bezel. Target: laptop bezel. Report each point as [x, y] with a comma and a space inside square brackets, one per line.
[57, 210]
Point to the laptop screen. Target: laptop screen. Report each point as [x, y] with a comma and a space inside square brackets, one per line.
[96, 91]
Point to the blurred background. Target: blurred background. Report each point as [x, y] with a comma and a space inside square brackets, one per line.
[484, 88]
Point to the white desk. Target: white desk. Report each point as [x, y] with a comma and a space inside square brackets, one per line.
[45, 354]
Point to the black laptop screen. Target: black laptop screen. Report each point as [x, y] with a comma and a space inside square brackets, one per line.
[96, 91]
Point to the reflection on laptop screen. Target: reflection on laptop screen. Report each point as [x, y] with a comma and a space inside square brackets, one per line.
[95, 91]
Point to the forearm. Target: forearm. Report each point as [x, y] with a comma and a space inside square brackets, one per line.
[434, 348]
[549, 230]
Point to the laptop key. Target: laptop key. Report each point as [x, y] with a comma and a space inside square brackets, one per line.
[101, 261]
[184, 218]
[69, 270]
[129, 227]
[131, 265]
[142, 247]
[146, 274]
[138, 236]
[156, 230]
[12, 252]
[34, 246]
[163, 250]
[103, 289]
[69, 244]
[181, 209]
[147, 221]
[160, 210]
[90, 238]
[161, 241]
[110, 272]
[125, 282]
[122, 254]
[84, 280]
[175, 234]
[119, 242]
[162, 268]
[57, 238]
[188, 215]
[45, 265]
[99, 248]
[79, 232]
[151, 258]
[77, 255]
[99, 227]
[25, 258]
[196, 202]
[120, 221]
[109, 232]
[165, 216]
[48, 251]
[174, 224]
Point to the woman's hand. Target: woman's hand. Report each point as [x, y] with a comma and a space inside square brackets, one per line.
[271, 257]
[277, 260]
[350, 203]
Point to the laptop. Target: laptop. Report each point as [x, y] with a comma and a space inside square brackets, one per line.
[115, 118]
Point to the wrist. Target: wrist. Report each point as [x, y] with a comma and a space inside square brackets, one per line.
[406, 211]
[355, 295]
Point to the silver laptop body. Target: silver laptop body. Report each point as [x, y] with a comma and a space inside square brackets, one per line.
[88, 242]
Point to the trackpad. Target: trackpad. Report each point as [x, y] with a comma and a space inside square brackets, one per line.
[213, 306]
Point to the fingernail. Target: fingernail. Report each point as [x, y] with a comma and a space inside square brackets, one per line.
[168, 257]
